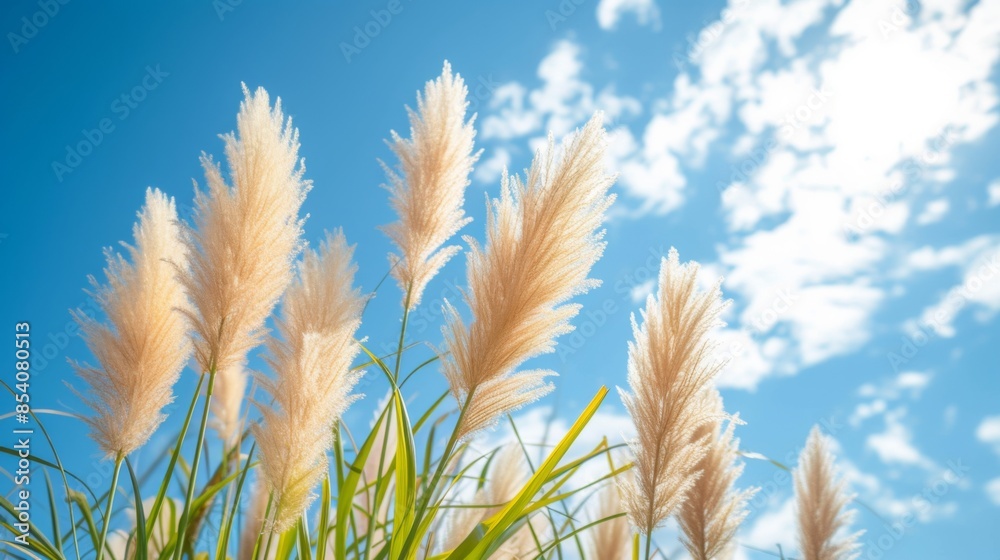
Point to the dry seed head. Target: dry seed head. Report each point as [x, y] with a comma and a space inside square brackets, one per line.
[714, 508]
[542, 238]
[435, 163]
[241, 248]
[611, 539]
[821, 502]
[144, 345]
[670, 366]
[313, 377]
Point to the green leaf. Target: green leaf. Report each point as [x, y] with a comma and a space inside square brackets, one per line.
[345, 494]
[141, 541]
[497, 525]
[227, 526]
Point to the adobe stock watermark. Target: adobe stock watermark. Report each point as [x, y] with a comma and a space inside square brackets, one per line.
[986, 270]
[224, 7]
[792, 122]
[783, 302]
[480, 91]
[922, 503]
[54, 343]
[32, 24]
[365, 33]
[710, 32]
[592, 318]
[868, 216]
[121, 107]
[899, 17]
[563, 11]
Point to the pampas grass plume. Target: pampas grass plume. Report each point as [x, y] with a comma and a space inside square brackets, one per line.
[542, 238]
[611, 539]
[144, 346]
[435, 163]
[312, 365]
[821, 502]
[669, 367]
[242, 247]
[714, 508]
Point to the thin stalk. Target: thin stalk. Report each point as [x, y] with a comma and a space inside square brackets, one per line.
[402, 332]
[649, 542]
[111, 501]
[193, 479]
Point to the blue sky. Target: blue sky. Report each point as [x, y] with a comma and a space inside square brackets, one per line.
[833, 161]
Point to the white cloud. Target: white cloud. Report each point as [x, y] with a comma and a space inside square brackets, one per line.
[934, 211]
[993, 490]
[863, 411]
[562, 102]
[894, 446]
[978, 290]
[538, 425]
[836, 138]
[489, 171]
[842, 128]
[609, 12]
[993, 193]
[928, 258]
[774, 526]
[988, 432]
[907, 383]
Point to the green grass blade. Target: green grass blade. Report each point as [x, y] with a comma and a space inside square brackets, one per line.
[406, 478]
[227, 524]
[53, 513]
[141, 540]
[322, 532]
[498, 524]
[193, 479]
[345, 494]
[168, 475]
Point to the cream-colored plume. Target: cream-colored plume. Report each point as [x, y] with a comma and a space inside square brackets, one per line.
[253, 523]
[144, 345]
[245, 238]
[312, 365]
[542, 238]
[714, 508]
[670, 366]
[612, 539]
[435, 163]
[821, 500]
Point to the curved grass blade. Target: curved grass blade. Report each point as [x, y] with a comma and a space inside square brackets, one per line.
[498, 524]
[141, 540]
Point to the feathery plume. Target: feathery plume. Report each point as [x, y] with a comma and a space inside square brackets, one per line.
[822, 500]
[312, 362]
[714, 509]
[253, 523]
[242, 247]
[435, 164]
[542, 238]
[144, 346]
[668, 369]
[611, 539]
